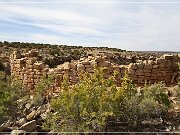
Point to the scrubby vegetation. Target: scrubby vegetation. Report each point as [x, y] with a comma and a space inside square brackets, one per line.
[54, 55]
[10, 92]
[94, 102]
[2, 68]
[41, 90]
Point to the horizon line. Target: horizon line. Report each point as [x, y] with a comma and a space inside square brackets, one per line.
[91, 46]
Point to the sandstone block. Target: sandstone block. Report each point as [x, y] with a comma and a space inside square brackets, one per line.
[16, 55]
[21, 122]
[73, 76]
[160, 60]
[82, 59]
[147, 74]
[73, 66]
[131, 72]
[30, 61]
[38, 65]
[152, 81]
[66, 66]
[116, 68]
[39, 73]
[29, 66]
[29, 71]
[46, 69]
[162, 65]
[163, 73]
[104, 64]
[29, 126]
[141, 79]
[31, 116]
[147, 70]
[99, 59]
[151, 62]
[90, 70]
[139, 72]
[147, 78]
[154, 76]
[176, 58]
[168, 63]
[168, 79]
[155, 66]
[147, 66]
[88, 66]
[168, 57]
[17, 66]
[159, 74]
[175, 66]
[134, 78]
[169, 73]
[133, 66]
[85, 62]
[80, 67]
[32, 53]
[140, 65]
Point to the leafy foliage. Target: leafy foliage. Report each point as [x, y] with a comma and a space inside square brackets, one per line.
[88, 105]
[10, 92]
[136, 106]
[41, 89]
[84, 106]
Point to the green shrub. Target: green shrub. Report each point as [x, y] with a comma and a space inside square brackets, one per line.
[10, 92]
[127, 100]
[88, 105]
[41, 89]
[134, 106]
[84, 106]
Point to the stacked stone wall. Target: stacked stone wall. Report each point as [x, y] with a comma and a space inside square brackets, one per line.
[30, 70]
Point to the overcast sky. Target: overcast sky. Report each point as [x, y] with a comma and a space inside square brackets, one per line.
[145, 25]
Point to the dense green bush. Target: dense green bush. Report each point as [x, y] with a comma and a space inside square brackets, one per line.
[10, 92]
[41, 89]
[90, 104]
[84, 106]
[148, 103]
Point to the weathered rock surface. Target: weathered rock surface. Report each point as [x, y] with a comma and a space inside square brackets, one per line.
[29, 126]
[31, 116]
[21, 122]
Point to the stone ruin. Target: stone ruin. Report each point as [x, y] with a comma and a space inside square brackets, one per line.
[30, 70]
